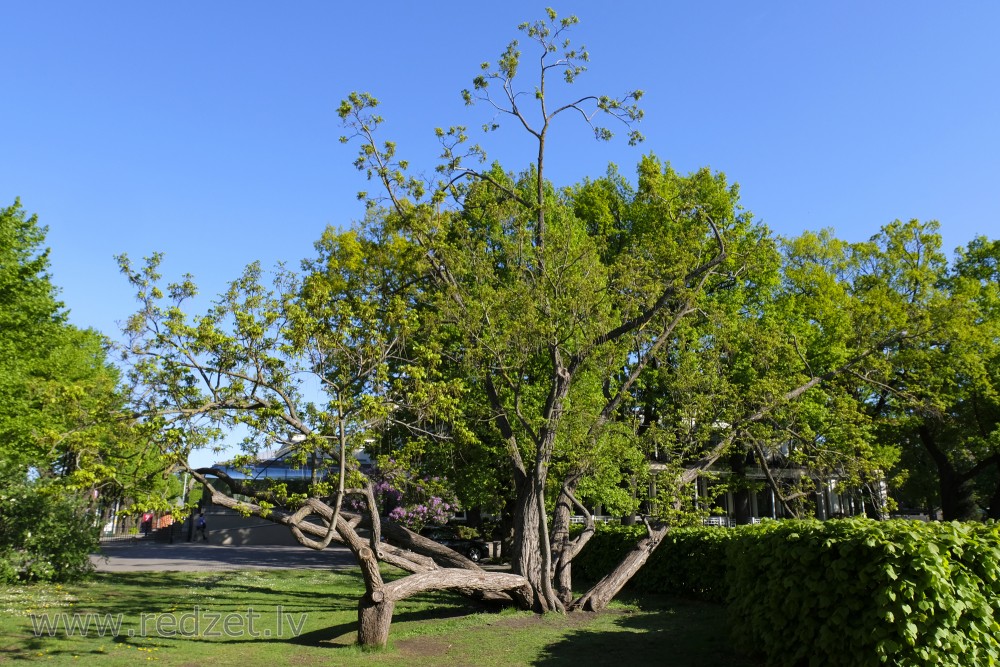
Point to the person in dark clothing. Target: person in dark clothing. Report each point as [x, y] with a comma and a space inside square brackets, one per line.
[201, 527]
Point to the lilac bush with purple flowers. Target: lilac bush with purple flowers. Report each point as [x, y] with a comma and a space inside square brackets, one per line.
[411, 500]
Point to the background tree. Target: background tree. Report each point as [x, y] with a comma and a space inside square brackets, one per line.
[824, 316]
[63, 443]
[938, 396]
[932, 402]
[32, 328]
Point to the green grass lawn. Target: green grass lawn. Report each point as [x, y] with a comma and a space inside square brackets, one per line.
[286, 617]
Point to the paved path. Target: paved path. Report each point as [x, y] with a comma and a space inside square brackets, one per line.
[192, 556]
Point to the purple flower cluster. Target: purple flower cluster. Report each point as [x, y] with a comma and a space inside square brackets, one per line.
[435, 511]
[410, 499]
[389, 493]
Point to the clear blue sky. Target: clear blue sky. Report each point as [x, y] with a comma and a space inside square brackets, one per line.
[208, 130]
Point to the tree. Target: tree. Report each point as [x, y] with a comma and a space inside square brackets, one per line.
[934, 400]
[245, 364]
[560, 303]
[31, 322]
[63, 443]
[553, 316]
[822, 314]
[46, 533]
[938, 396]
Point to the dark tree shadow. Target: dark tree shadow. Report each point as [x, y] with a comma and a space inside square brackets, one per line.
[671, 632]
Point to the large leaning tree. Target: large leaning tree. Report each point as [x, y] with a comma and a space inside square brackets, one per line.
[490, 306]
[316, 367]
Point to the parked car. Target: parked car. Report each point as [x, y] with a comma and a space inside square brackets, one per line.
[474, 550]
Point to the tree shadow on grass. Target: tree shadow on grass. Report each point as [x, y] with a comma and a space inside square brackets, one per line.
[137, 592]
[344, 635]
[669, 632]
[178, 595]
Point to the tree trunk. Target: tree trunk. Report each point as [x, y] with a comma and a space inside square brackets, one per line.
[405, 538]
[565, 550]
[598, 597]
[374, 620]
[994, 508]
[526, 554]
[957, 502]
[741, 492]
[561, 546]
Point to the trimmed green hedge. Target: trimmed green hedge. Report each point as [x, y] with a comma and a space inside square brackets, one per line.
[867, 593]
[691, 561]
[849, 592]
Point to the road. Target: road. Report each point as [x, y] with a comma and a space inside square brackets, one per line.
[194, 556]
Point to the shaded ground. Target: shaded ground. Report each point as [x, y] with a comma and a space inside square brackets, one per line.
[668, 632]
[308, 616]
[196, 557]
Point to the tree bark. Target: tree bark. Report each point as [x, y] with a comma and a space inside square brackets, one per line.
[565, 550]
[560, 546]
[526, 555]
[514, 586]
[405, 538]
[374, 621]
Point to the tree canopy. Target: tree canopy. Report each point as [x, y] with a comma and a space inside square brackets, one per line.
[66, 440]
[59, 396]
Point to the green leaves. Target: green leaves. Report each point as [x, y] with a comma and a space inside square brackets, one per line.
[60, 400]
[59, 408]
[315, 364]
[914, 591]
[32, 327]
[937, 394]
[45, 533]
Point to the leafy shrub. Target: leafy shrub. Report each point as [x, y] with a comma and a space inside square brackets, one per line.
[605, 549]
[466, 532]
[862, 592]
[45, 531]
[691, 561]
[850, 592]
